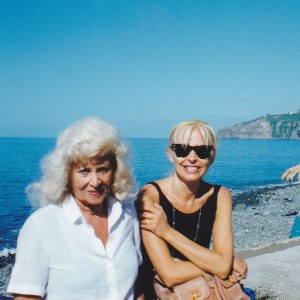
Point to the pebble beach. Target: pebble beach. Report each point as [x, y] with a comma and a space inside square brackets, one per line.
[261, 216]
[264, 215]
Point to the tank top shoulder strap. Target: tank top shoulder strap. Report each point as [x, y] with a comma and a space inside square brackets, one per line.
[156, 186]
[216, 189]
[162, 196]
[214, 195]
[160, 192]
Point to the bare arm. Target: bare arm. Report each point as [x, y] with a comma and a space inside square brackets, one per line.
[170, 271]
[217, 261]
[290, 173]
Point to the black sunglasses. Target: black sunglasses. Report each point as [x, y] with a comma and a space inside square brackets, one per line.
[202, 152]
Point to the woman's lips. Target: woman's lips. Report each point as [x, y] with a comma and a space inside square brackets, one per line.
[99, 190]
[94, 193]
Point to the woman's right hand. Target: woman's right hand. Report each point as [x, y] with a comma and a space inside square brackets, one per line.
[240, 266]
[154, 234]
[154, 219]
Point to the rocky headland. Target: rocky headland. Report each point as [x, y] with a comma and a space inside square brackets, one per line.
[280, 126]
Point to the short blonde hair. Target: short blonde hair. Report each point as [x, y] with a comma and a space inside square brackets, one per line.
[86, 138]
[181, 133]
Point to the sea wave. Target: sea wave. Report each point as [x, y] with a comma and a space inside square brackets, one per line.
[6, 252]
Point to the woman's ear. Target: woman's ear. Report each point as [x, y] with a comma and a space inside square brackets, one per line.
[170, 155]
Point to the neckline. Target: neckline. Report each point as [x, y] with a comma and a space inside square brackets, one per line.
[183, 213]
[169, 203]
[196, 212]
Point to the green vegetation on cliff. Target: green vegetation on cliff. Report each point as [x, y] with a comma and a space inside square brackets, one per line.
[284, 125]
[280, 126]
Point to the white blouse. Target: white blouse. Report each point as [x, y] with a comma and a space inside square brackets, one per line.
[59, 256]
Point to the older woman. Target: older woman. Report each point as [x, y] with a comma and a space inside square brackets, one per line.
[182, 211]
[85, 243]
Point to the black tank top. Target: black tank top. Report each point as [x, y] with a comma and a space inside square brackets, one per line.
[186, 224]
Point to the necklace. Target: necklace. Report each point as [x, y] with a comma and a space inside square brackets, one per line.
[174, 215]
[198, 222]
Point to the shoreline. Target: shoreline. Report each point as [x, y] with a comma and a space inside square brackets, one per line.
[261, 218]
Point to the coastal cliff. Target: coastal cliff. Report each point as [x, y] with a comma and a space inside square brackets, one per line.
[282, 126]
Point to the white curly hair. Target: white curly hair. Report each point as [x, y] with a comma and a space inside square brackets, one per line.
[86, 138]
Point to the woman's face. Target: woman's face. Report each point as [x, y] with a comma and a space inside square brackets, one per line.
[190, 168]
[91, 179]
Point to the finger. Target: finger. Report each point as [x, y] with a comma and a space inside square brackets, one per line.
[160, 209]
[147, 215]
[144, 215]
[146, 222]
[146, 225]
[150, 208]
[146, 228]
[156, 205]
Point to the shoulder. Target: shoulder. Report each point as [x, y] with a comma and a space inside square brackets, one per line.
[43, 215]
[224, 197]
[37, 224]
[223, 191]
[45, 211]
[149, 193]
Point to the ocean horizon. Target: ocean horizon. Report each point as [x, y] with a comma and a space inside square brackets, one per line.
[240, 165]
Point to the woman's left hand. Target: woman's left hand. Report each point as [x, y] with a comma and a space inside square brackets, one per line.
[154, 219]
[240, 266]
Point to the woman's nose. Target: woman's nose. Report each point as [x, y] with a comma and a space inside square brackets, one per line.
[94, 179]
[192, 156]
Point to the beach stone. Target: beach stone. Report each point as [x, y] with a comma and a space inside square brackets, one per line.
[240, 206]
[6, 264]
[268, 218]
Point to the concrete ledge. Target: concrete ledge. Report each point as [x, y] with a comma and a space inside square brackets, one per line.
[274, 270]
[270, 248]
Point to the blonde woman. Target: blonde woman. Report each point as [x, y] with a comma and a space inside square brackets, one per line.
[182, 212]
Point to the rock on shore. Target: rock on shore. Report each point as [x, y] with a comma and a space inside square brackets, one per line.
[264, 215]
[6, 264]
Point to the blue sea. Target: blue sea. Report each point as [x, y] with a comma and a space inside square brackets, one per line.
[240, 165]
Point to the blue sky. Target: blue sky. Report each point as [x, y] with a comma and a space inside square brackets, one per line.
[145, 65]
